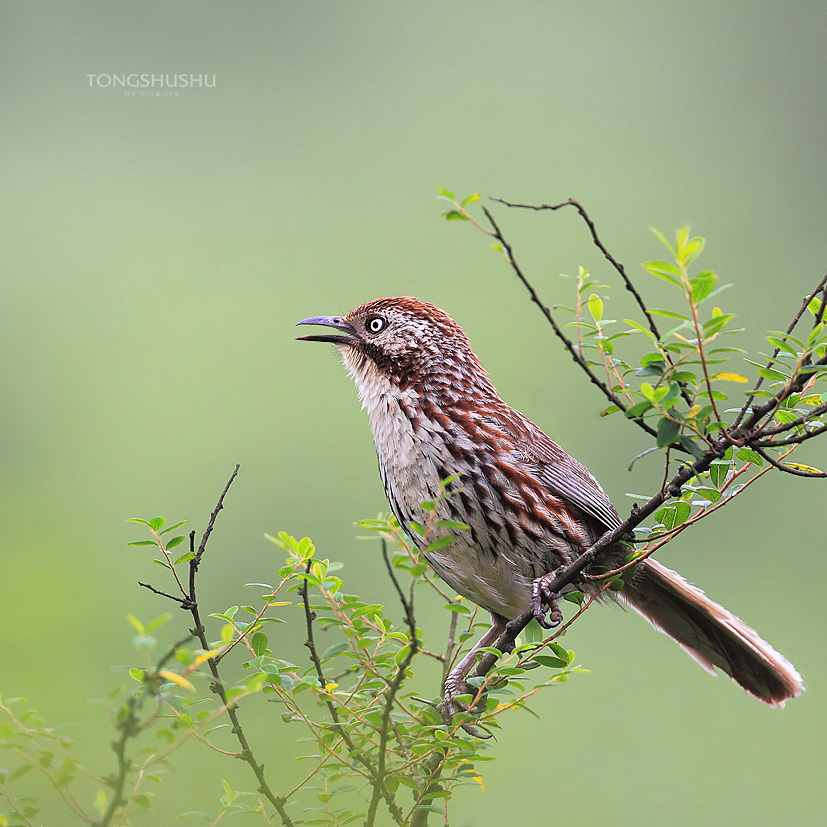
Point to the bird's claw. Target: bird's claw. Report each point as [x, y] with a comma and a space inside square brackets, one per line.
[455, 686]
[543, 601]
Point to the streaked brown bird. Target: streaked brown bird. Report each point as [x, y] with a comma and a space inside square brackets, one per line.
[530, 506]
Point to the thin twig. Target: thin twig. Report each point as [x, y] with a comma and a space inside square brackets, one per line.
[378, 782]
[219, 505]
[181, 600]
[569, 345]
[619, 268]
[796, 472]
[822, 286]
[393, 689]
[793, 440]
[609, 539]
[130, 726]
[217, 685]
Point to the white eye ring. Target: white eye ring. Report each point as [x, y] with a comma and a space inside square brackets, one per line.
[376, 324]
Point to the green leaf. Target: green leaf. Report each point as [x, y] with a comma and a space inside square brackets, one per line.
[595, 305]
[173, 527]
[156, 523]
[772, 375]
[175, 541]
[259, 643]
[691, 445]
[143, 543]
[672, 516]
[692, 250]
[453, 524]
[718, 473]
[702, 285]
[575, 597]
[668, 429]
[448, 480]
[748, 455]
[453, 215]
[682, 512]
[640, 456]
[399, 657]
[781, 344]
[662, 238]
[447, 194]
[638, 409]
[717, 323]
[471, 199]
[440, 543]
[190, 555]
[335, 649]
[547, 660]
[373, 609]
[664, 270]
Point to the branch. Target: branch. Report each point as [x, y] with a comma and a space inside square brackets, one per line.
[181, 600]
[130, 726]
[393, 689]
[377, 779]
[621, 270]
[768, 431]
[575, 355]
[600, 246]
[219, 505]
[571, 572]
[793, 440]
[796, 472]
[820, 288]
[217, 685]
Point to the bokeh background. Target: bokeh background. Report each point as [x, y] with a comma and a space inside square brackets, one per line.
[157, 252]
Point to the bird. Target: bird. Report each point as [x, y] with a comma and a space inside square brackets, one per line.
[529, 507]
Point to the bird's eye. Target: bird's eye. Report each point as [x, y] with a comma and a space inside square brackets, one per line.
[376, 324]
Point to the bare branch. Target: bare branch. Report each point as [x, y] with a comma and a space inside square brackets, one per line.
[180, 600]
[217, 685]
[793, 440]
[621, 270]
[796, 472]
[377, 777]
[219, 505]
[130, 726]
[569, 345]
[393, 689]
[820, 288]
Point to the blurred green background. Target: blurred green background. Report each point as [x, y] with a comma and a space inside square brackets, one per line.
[158, 251]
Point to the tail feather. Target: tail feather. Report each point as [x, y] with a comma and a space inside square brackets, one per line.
[710, 634]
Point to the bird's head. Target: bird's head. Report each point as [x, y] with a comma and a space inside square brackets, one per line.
[404, 340]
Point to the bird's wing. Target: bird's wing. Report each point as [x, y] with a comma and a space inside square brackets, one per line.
[560, 473]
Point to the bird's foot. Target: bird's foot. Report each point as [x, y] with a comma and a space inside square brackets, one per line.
[543, 601]
[455, 687]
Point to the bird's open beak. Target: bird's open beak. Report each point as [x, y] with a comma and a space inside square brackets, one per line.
[329, 321]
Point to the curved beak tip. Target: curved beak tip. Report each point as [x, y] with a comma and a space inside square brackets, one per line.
[336, 322]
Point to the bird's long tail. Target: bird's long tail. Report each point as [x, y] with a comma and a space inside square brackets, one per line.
[711, 634]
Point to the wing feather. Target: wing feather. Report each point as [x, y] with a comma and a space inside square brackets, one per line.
[559, 472]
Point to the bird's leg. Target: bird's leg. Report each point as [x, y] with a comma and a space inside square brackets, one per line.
[455, 682]
[543, 600]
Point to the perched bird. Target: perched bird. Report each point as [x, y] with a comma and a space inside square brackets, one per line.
[530, 507]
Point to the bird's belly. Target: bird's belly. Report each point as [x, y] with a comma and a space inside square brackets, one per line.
[484, 579]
